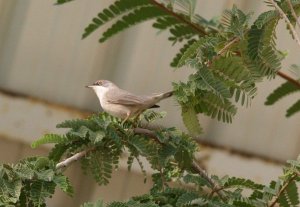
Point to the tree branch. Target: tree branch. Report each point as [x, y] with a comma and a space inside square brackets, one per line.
[283, 15]
[293, 12]
[282, 190]
[179, 17]
[73, 158]
[288, 78]
[229, 44]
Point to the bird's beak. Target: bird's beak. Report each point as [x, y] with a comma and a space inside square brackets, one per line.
[89, 86]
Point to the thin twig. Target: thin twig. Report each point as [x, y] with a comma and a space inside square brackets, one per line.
[288, 78]
[282, 190]
[283, 15]
[228, 45]
[179, 17]
[73, 158]
[293, 12]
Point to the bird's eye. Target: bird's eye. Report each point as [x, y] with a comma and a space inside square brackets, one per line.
[98, 83]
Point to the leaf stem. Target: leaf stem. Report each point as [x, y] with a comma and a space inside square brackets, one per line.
[282, 190]
[179, 17]
[229, 44]
[73, 158]
[293, 12]
[283, 15]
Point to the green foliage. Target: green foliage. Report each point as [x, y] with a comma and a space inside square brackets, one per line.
[293, 109]
[106, 138]
[235, 22]
[63, 1]
[201, 50]
[283, 90]
[179, 55]
[190, 119]
[227, 59]
[46, 139]
[204, 194]
[120, 7]
[30, 182]
[131, 12]
[96, 204]
[240, 182]
[290, 196]
[261, 45]
[286, 89]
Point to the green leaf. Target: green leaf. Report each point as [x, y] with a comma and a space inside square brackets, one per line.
[151, 116]
[47, 139]
[63, 1]
[98, 203]
[196, 179]
[179, 55]
[290, 196]
[213, 106]
[190, 120]
[40, 190]
[116, 9]
[241, 182]
[293, 109]
[266, 60]
[283, 90]
[205, 45]
[64, 184]
[137, 16]
[206, 81]
[186, 199]
[10, 190]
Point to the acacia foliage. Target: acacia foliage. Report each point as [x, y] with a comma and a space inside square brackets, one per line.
[227, 56]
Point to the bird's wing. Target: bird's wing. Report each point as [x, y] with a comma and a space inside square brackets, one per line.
[124, 98]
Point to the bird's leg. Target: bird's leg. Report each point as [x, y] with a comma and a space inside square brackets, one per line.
[127, 117]
[137, 116]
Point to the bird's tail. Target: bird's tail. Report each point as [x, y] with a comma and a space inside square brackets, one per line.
[167, 94]
[161, 96]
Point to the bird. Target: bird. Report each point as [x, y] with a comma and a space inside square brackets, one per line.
[124, 104]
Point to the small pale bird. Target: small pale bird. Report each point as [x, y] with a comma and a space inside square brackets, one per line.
[123, 104]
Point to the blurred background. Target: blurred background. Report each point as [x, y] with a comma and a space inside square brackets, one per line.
[44, 66]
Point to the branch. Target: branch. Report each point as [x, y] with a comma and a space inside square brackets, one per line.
[283, 15]
[293, 12]
[288, 78]
[229, 44]
[282, 190]
[179, 17]
[73, 158]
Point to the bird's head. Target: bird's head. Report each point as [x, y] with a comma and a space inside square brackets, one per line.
[101, 86]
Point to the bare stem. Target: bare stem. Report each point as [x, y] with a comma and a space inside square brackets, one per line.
[234, 40]
[293, 12]
[228, 45]
[179, 17]
[73, 158]
[283, 15]
[282, 190]
[288, 78]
